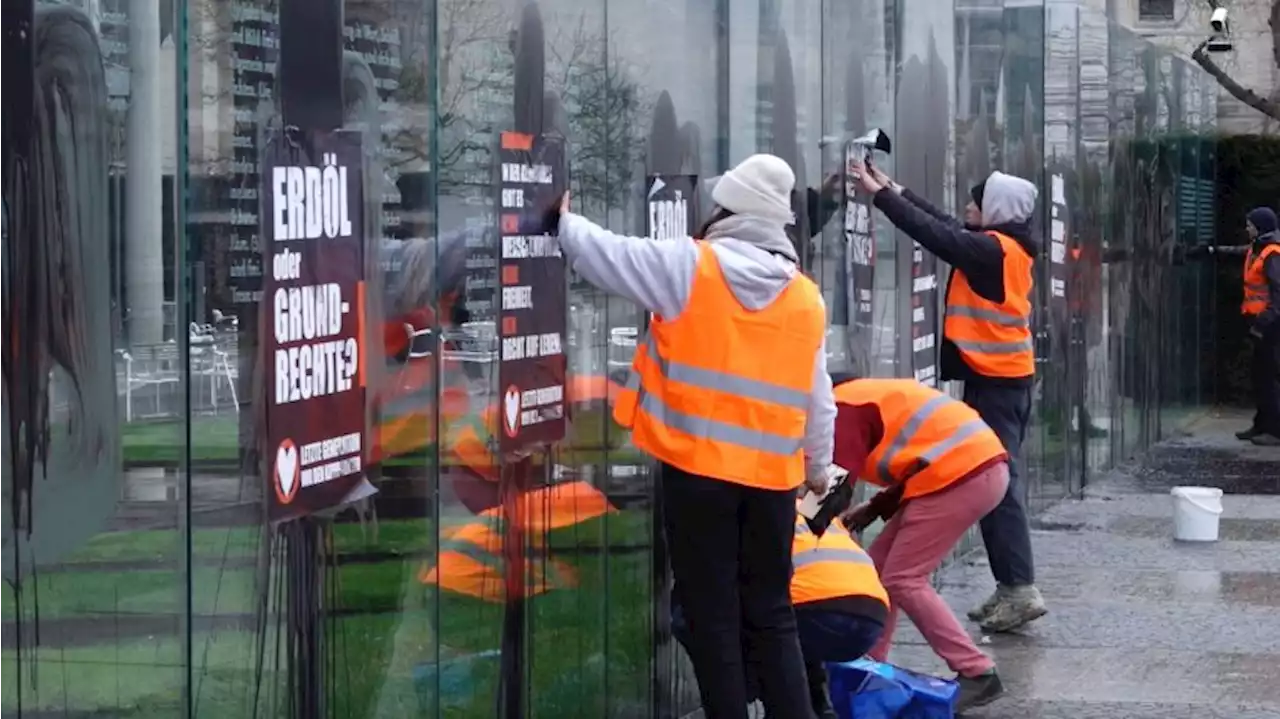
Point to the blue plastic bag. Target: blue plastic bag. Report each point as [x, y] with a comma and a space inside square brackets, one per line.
[864, 689]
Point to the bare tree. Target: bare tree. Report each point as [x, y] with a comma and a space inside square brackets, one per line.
[471, 37]
[603, 105]
[1269, 106]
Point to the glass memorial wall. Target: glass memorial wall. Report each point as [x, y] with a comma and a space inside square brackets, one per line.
[170, 550]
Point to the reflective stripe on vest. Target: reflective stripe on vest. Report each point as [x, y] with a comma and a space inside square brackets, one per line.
[989, 315]
[930, 439]
[719, 382]
[994, 339]
[1256, 293]
[912, 426]
[722, 391]
[831, 566]
[823, 554]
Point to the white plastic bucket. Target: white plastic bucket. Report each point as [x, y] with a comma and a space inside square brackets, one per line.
[1196, 511]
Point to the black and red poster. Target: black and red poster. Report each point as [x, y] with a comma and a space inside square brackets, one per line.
[671, 208]
[860, 261]
[1059, 219]
[533, 312]
[313, 260]
[924, 316]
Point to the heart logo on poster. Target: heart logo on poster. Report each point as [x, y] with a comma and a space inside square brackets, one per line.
[511, 411]
[286, 471]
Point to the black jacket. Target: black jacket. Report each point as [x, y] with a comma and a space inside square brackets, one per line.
[973, 252]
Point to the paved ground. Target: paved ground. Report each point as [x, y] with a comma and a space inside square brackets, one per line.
[1141, 627]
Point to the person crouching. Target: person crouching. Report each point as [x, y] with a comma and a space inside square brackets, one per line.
[839, 602]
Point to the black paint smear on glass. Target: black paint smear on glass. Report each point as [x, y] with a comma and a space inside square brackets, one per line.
[55, 219]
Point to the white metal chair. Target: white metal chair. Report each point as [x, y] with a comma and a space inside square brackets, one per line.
[155, 366]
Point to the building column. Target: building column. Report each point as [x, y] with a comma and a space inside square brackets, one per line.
[144, 251]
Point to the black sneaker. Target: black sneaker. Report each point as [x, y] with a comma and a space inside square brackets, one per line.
[1248, 434]
[978, 691]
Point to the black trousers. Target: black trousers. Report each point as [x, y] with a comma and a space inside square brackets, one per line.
[825, 636]
[1266, 381]
[1005, 531]
[730, 551]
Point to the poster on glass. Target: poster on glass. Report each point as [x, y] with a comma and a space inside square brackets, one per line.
[533, 309]
[313, 260]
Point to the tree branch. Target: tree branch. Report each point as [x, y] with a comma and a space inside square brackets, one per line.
[1267, 107]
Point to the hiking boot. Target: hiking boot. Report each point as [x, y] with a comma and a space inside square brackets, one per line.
[1266, 440]
[1248, 434]
[981, 611]
[1018, 606]
[978, 691]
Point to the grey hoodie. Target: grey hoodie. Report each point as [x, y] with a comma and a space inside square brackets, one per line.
[658, 275]
[1007, 199]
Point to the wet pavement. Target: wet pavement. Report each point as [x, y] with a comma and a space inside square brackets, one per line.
[1141, 626]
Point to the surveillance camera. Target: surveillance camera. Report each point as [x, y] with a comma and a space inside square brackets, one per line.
[1218, 20]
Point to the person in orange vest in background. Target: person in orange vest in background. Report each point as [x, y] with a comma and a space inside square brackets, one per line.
[729, 392]
[943, 469]
[1261, 308]
[839, 601]
[987, 343]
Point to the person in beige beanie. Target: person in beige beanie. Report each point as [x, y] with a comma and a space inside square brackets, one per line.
[729, 393]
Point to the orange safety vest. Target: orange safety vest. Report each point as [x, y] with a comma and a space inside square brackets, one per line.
[930, 441]
[994, 339]
[470, 562]
[831, 566]
[470, 559]
[471, 444]
[1255, 280]
[722, 391]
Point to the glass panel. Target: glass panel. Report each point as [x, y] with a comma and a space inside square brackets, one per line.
[924, 99]
[665, 125]
[1096, 262]
[437, 577]
[329, 613]
[857, 97]
[94, 393]
[1057, 443]
[1123, 53]
[1024, 150]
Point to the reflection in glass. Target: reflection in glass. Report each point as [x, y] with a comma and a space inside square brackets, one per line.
[141, 574]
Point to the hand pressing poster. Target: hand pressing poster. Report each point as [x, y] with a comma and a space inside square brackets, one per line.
[533, 308]
[314, 295]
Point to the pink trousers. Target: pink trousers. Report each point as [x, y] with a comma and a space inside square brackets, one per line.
[913, 544]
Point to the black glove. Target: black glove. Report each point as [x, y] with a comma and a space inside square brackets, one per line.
[542, 221]
[882, 506]
[552, 215]
[832, 506]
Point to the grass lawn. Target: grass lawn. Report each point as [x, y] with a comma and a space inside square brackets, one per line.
[589, 644]
[593, 439]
